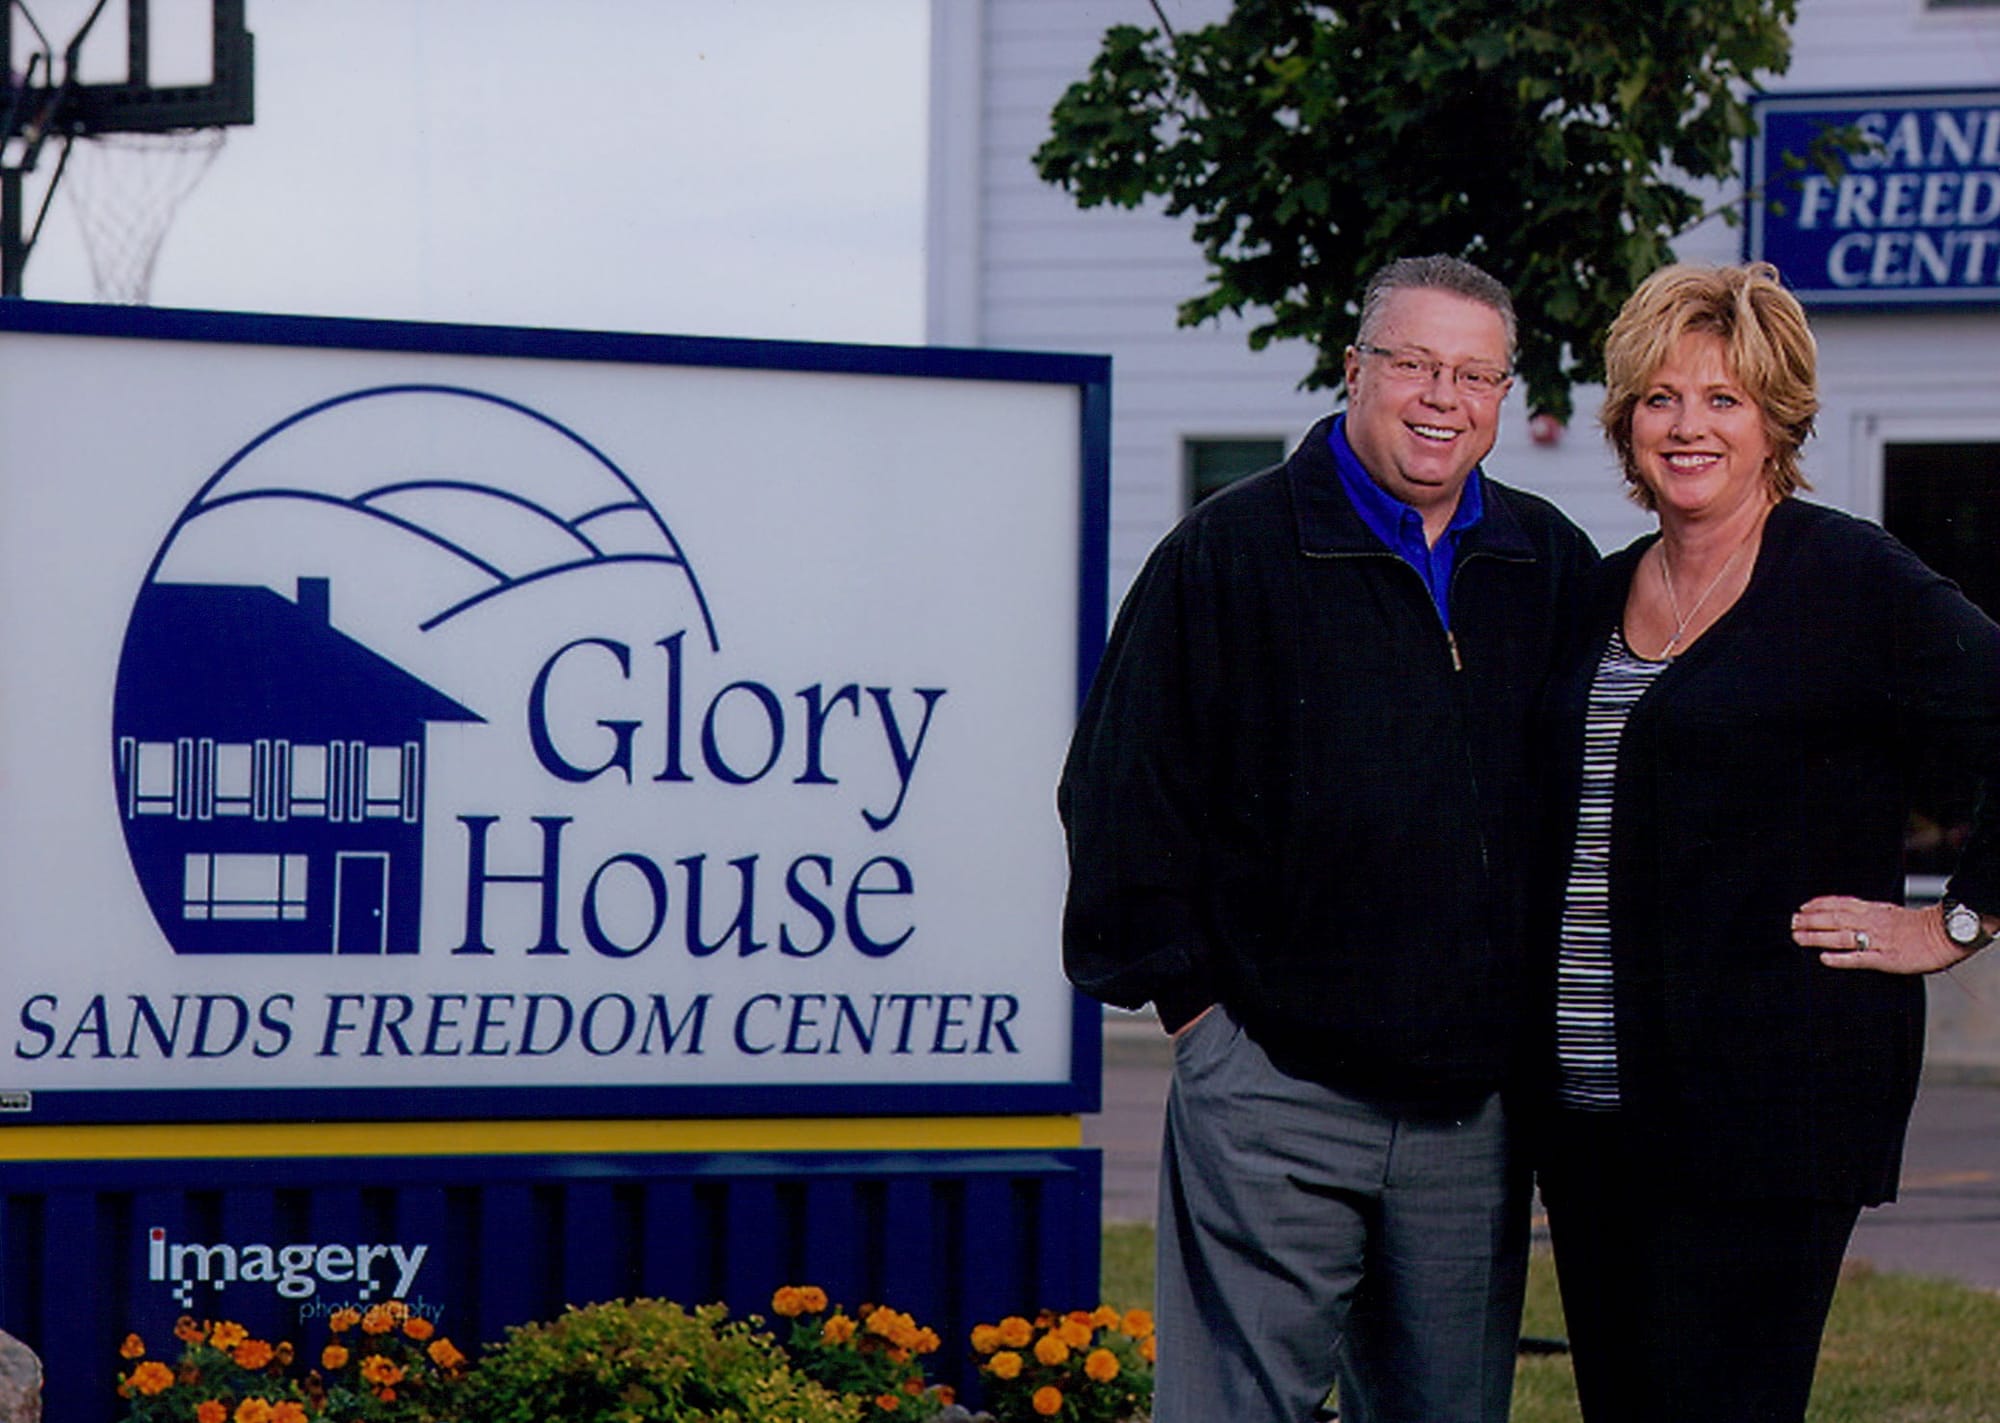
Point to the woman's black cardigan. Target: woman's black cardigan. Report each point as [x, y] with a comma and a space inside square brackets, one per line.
[1769, 764]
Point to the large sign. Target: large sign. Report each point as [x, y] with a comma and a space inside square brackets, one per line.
[1912, 220]
[597, 725]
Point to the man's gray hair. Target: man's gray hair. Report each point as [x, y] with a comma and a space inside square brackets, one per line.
[1439, 273]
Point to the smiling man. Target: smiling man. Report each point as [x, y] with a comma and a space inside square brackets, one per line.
[1295, 802]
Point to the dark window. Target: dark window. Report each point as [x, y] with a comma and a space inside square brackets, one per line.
[1214, 463]
[1943, 500]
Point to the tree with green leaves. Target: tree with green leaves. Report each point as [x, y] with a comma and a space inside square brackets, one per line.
[1553, 142]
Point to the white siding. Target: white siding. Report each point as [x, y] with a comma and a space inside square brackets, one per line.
[1015, 264]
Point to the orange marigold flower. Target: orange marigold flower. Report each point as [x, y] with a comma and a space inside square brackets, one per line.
[379, 1370]
[1104, 1317]
[419, 1328]
[1051, 1349]
[227, 1335]
[333, 1356]
[899, 1356]
[946, 1395]
[927, 1341]
[152, 1377]
[378, 1320]
[1015, 1332]
[342, 1320]
[253, 1410]
[1004, 1365]
[188, 1332]
[133, 1348]
[211, 1410]
[1137, 1324]
[289, 1412]
[813, 1297]
[1075, 1332]
[396, 1310]
[888, 1402]
[837, 1330]
[444, 1354]
[913, 1385]
[985, 1339]
[1101, 1365]
[1148, 1348]
[387, 1395]
[788, 1302]
[1048, 1400]
[285, 1353]
[252, 1354]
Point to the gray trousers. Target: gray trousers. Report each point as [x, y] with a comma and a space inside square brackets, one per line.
[1307, 1237]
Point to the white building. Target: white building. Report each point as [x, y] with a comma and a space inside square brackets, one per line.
[1014, 263]
[1909, 433]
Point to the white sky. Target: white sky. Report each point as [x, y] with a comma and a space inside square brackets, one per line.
[711, 167]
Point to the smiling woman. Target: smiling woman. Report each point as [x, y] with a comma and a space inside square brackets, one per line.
[1733, 735]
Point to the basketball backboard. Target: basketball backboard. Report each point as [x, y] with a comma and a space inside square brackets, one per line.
[85, 68]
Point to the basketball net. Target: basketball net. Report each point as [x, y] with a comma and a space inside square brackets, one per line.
[124, 189]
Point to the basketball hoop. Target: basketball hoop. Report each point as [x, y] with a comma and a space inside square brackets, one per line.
[125, 189]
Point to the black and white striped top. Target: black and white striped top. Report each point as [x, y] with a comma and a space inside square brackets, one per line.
[1586, 1047]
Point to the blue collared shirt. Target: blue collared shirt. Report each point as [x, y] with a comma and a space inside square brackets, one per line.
[1400, 527]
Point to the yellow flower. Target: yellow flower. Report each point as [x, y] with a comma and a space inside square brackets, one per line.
[926, 1341]
[1048, 1400]
[1075, 1332]
[152, 1377]
[252, 1354]
[211, 1411]
[227, 1335]
[333, 1356]
[788, 1302]
[289, 1412]
[1148, 1348]
[418, 1329]
[342, 1320]
[1137, 1324]
[1104, 1317]
[1051, 1349]
[378, 1370]
[985, 1339]
[444, 1354]
[837, 1330]
[254, 1410]
[378, 1320]
[1101, 1365]
[1015, 1332]
[1004, 1365]
[133, 1348]
[813, 1297]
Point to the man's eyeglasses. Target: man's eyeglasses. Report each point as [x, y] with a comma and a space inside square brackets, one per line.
[1473, 378]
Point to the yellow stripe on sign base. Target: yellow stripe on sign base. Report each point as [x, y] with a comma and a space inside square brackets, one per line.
[553, 1138]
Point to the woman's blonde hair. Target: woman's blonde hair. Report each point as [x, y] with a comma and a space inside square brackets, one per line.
[1767, 343]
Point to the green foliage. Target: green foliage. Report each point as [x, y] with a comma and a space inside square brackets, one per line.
[646, 1361]
[1550, 141]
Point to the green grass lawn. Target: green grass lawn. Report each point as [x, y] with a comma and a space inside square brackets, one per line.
[1898, 1349]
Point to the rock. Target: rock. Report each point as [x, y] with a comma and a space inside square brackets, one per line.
[20, 1382]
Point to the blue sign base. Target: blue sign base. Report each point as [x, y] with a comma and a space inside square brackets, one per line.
[93, 1250]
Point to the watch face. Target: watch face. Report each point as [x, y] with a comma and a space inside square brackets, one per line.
[1961, 925]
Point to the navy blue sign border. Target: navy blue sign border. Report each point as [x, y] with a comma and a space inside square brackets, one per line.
[1089, 374]
[1756, 177]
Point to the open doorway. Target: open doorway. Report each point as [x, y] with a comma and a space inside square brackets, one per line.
[1943, 500]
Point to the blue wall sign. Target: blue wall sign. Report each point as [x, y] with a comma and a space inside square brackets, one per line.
[1915, 221]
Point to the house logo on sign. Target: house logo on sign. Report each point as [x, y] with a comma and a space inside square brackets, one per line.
[337, 592]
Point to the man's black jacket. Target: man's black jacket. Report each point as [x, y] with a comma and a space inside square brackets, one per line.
[1293, 793]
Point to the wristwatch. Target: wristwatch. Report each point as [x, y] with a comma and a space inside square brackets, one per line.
[1964, 926]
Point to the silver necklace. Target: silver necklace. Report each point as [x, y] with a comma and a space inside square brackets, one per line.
[1673, 603]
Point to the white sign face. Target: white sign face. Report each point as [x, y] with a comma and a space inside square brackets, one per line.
[391, 719]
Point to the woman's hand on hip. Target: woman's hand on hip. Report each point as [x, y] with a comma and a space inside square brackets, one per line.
[1866, 933]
